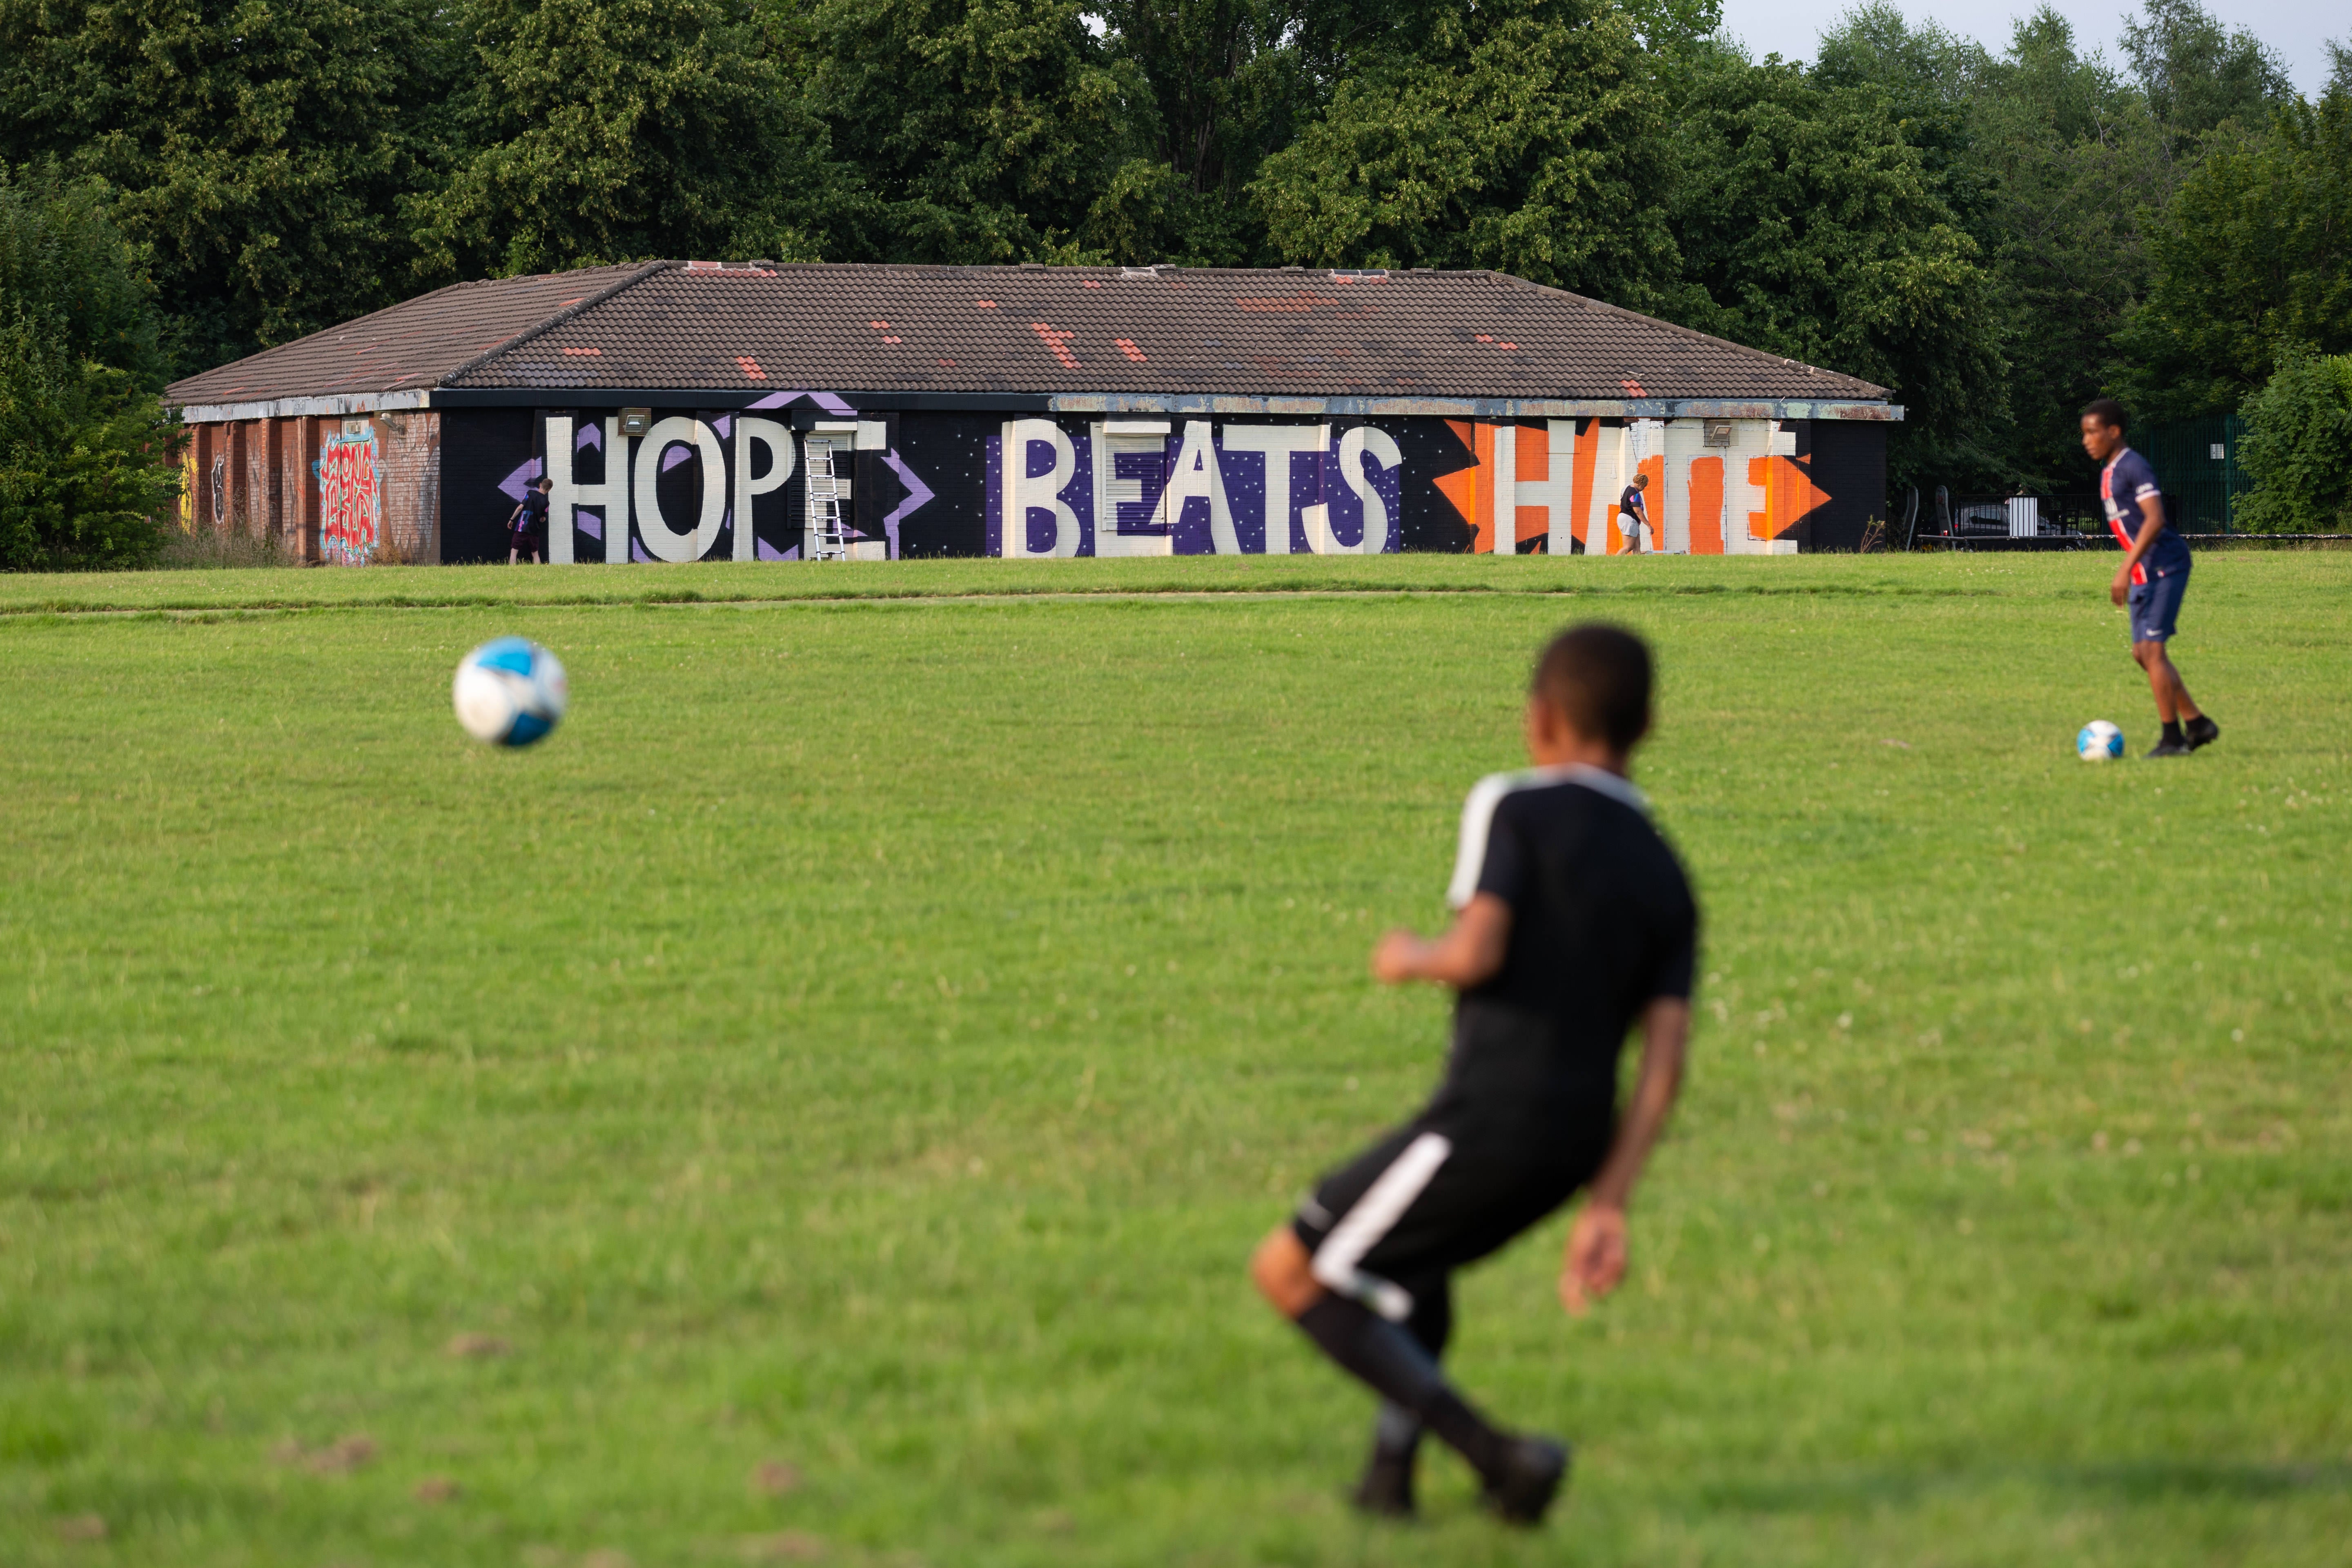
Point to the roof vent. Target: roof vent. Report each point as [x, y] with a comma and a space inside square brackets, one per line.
[1359, 274]
[1151, 271]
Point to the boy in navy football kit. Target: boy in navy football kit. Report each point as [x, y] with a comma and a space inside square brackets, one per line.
[2153, 577]
[1573, 924]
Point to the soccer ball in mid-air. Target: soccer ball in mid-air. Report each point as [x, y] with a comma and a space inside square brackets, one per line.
[510, 692]
[2099, 742]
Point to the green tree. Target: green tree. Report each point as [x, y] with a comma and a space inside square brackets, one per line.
[601, 131]
[2255, 250]
[1809, 227]
[2076, 168]
[260, 148]
[1524, 135]
[2298, 446]
[982, 131]
[86, 450]
[2199, 76]
[1931, 81]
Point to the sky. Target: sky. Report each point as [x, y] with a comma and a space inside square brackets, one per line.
[2295, 29]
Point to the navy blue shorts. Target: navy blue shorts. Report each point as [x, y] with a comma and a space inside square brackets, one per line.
[2156, 606]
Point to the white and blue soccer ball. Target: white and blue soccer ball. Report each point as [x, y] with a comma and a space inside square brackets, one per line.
[510, 692]
[2099, 742]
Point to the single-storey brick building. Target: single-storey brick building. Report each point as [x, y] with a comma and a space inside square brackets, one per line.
[691, 411]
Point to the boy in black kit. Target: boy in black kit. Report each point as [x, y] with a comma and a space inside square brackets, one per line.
[1573, 923]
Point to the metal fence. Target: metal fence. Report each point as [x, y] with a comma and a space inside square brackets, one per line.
[2196, 461]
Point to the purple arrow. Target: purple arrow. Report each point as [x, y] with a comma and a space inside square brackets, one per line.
[917, 493]
[825, 400]
[514, 484]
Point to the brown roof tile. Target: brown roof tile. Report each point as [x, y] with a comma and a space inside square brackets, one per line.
[413, 344]
[856, 328]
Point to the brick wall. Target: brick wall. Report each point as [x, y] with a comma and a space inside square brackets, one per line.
[408, 468]
[261, 476]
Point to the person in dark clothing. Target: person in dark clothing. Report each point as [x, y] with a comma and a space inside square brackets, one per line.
[527, 526]
[2153, 578]
[1635, 513]
[1574, 925]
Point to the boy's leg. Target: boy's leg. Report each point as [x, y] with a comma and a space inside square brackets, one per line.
[1386, 1484]
[2154, 607]
[1377, 1352]
[1404, 1210]
[2172, 699]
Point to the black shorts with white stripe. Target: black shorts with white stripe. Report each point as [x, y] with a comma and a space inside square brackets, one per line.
[1438, 1193]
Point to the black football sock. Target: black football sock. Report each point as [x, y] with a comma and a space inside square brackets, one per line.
[1381, 1356]
[2172, 736]
[1396, 1433]
[1387, 1485]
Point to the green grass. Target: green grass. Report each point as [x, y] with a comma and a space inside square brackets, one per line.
[869, 1036]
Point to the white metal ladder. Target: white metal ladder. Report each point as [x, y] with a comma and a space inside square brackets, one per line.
[828, 524]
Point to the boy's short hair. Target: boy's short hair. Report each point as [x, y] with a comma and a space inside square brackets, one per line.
[2107, 412]
[544, 482]
[1598, 676]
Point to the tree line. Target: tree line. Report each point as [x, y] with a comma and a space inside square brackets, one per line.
[1997, 236]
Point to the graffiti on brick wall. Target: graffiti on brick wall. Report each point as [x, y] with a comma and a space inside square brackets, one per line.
[350, 497]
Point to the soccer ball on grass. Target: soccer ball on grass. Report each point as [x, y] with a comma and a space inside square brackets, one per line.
[510, 692]
[2099, 742]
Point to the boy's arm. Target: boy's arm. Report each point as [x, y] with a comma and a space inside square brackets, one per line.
[1596, 1242]
[1468, 954]
[2151, 511]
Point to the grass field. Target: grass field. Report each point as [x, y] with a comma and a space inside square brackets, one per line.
[817, 1106]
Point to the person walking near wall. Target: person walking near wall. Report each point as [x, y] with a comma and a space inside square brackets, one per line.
[527, 526]
[1633, 515]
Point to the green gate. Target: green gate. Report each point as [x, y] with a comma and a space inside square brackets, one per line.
[2196, 461]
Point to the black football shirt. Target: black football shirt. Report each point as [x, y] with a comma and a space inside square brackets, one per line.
[1602, 923]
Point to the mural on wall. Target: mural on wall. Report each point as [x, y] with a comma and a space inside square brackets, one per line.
[1192, 487]
[1718, 487]
[806, 475]
[626, 486]
[350, 497]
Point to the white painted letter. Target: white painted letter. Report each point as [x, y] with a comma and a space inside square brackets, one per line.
[1042, 493]
[1277, 442]
[778, 443]
[1353, 446]
[1196, 474]
[661, 542]
[566, 494]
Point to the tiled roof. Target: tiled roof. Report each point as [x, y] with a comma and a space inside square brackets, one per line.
[413, 344]
[1171, 331]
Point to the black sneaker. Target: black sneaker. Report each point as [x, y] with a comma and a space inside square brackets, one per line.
[1532, 1472]
[2201, 732]
[2169, 749]
[1386, 1490]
